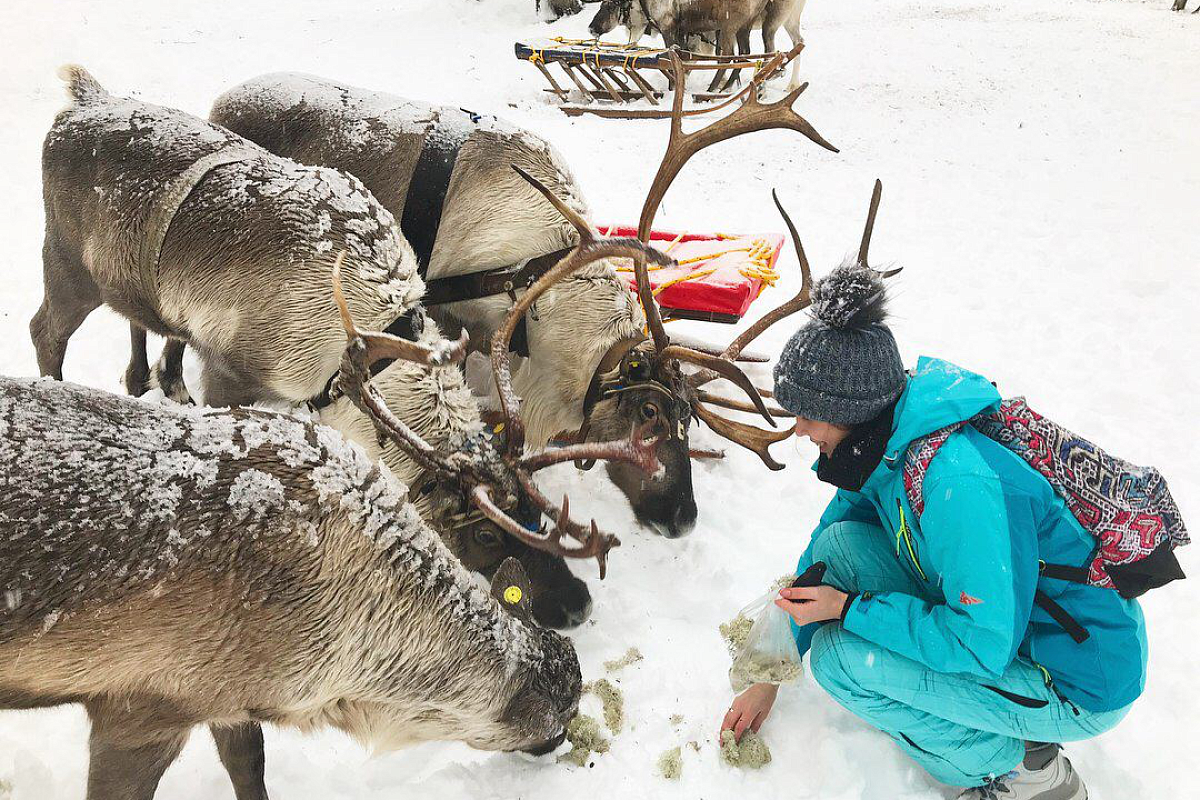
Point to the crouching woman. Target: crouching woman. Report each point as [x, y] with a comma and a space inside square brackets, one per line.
[934, 626]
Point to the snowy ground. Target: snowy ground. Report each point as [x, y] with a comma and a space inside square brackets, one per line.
[1042, 189]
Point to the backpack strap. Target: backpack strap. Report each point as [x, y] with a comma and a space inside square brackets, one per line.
[916, 463]
[1060, 615]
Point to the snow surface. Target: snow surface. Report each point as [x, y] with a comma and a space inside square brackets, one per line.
[1041, 178]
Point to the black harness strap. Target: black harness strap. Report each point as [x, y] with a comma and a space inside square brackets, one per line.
[428, 186]
[472, 286]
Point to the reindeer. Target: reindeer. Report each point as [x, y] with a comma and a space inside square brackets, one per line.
[482, 234]
[629, 14]
[639, 16]
[233, 567]
[731, 19]
[197, 234]
[239, 269]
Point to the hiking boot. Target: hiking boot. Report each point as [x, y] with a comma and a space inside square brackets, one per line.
[1045, 774]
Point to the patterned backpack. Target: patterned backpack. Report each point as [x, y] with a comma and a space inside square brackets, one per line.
[1127, 508]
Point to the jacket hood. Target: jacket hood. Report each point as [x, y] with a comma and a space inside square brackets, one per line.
[938, 394]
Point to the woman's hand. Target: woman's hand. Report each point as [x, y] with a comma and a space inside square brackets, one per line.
[750, 709]
[808, 604]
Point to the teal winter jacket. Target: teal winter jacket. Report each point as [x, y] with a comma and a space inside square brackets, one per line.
[988, 519]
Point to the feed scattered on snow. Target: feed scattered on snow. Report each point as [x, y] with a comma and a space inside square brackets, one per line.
[585, 737]
[750, 753]
[632, 656]
[676, 719]
[670, 763]
[614, 703]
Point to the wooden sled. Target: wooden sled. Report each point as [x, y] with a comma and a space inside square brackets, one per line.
[609, 75]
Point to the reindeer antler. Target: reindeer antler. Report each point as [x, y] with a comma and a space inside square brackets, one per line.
[485, 474]
[752, 115]
[748, 436]
[378, 346]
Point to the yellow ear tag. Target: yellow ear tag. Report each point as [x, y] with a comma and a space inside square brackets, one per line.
[512, 595]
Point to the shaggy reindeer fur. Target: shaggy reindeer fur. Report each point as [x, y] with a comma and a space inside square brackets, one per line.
[252, 240]
[378, 137]
[218, 567]
[490, 218]
[435, 402]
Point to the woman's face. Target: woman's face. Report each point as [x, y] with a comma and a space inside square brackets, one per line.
[825, 435]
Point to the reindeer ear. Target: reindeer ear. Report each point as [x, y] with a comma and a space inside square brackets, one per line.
[510, 587]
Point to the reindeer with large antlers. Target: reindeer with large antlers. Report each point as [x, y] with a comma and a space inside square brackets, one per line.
[201, 235]
[492, 480]
[483, 234]
[229, 567]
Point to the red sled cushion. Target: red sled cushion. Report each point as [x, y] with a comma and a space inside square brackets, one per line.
[718, 277]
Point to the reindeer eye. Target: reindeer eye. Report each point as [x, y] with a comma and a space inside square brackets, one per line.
[649, 411]
[486, 537]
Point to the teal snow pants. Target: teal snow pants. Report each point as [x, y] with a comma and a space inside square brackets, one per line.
[961, 728]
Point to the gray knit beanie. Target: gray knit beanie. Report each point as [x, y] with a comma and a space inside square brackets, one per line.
[843, 365]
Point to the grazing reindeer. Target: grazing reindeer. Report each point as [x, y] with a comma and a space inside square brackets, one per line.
[436, 404]
[776, 14]
[197, 234]
[482, 234]
[242, 271]
[629, 14]
[731, 19]
[169, 567]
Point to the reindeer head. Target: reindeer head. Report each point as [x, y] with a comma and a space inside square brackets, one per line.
[542, 697]
[609, 15]
[641, 381]
[559, 598]
[489, 479]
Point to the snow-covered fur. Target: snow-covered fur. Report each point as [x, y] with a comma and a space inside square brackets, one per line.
[243, 273]
[225, 566]
[436, 403]
[491, 218]
[851, 296]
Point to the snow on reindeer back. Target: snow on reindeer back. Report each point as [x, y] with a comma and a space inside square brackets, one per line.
[312, 209]
[363, 119]
[104, 497]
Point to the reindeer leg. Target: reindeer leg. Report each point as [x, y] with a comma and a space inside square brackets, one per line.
[241, 751]
[127, 760]
[724, 48]
[168, 372]
[743, 41]
[137, 374]
[793, 30]
[71, 295]
[225, 385]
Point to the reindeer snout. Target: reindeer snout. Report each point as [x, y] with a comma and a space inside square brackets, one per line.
[564, 607]
[549, 746]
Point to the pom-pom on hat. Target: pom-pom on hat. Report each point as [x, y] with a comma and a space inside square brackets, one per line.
[843, 366]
